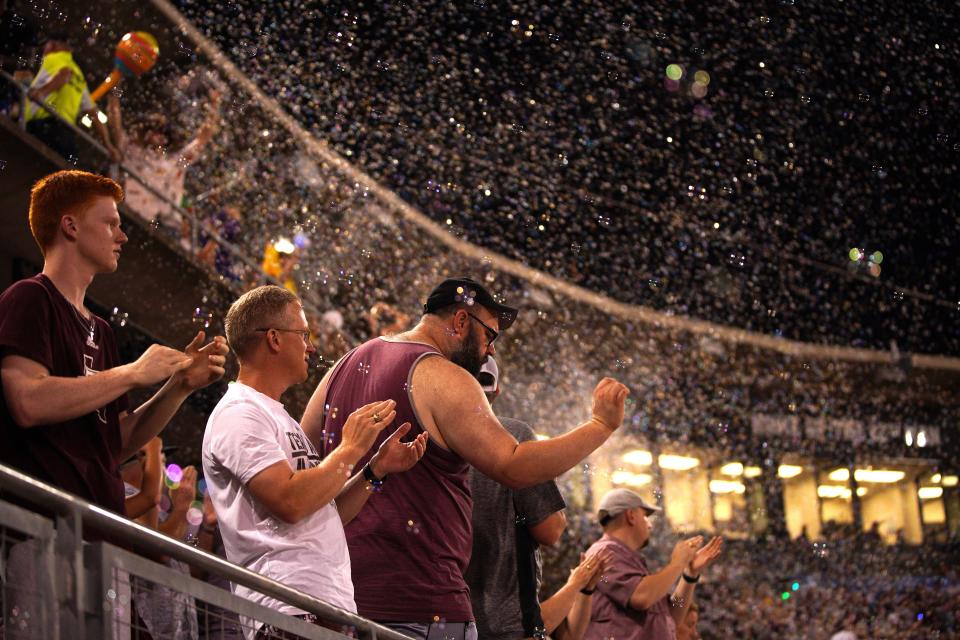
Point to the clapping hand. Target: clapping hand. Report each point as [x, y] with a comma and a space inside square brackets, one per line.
[608, 403]
[705, 556]
[184, 494]
[587, 574]
[395, 456]
[207, 362]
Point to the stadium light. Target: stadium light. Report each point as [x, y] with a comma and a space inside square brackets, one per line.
[638, 457]
[878, 475]
[786, 471]
[929, 493]
[752, 472]
[833, 491]
[839, 475]
[867, 475]
[282, 245]
[630, 478]
[732, 469]
[726, 486]
[671, 462]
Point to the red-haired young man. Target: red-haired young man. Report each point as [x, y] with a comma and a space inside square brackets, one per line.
[63, 407]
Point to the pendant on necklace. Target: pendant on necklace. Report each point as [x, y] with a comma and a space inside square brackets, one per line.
[90, 342]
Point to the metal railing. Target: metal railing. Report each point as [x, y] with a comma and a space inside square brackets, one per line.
[196, 224]
[55, 585]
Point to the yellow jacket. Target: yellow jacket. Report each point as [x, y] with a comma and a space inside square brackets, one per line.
[68, 99]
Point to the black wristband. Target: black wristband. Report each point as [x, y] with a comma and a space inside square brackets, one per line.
[587, 592]
[690, 579]
[369, 477]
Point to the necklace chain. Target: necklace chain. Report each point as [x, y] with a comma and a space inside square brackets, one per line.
[87, 327]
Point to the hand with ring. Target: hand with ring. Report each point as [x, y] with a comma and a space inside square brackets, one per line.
[363, 426]
[588, 572]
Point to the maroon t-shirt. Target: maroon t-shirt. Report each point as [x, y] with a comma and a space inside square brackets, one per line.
[611, 615]
[79, 455]
[410, 545]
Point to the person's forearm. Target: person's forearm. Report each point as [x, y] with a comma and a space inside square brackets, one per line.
[101, 128]
[137, 505]
[655, 586]
[537, 461]
[579, 617]
[175, 526]
[352, 497]
[555, 608]
[309, 490]
[56, 82]
[681, 601]
[150, 486]
[115, 119]
[151, 519]
[53, 399]
[148, 420]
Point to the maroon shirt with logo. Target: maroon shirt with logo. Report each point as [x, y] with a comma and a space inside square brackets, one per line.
[611, 615]
[410, 545]
[79, 455]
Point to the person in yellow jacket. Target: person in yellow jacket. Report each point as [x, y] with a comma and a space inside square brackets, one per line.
[61, 87]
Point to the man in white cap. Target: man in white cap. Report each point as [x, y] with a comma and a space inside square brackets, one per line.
[631, 602]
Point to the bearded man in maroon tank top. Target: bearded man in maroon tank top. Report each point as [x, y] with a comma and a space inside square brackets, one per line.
[410, 550]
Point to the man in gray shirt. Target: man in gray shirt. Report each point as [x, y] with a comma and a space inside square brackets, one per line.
[508, 527]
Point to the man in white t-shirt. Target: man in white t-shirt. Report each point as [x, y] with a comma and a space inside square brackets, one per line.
[281, 509]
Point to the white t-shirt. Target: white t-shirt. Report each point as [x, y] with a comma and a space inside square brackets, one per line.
[246, 433]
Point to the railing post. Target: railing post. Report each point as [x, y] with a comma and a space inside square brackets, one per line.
[69, 572]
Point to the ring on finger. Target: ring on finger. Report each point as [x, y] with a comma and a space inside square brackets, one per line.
[376, 417]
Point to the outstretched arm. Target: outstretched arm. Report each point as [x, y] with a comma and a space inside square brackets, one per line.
[115, 120]
[207, 130]
[451, 400]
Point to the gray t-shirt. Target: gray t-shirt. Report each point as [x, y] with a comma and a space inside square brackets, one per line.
[492, 574]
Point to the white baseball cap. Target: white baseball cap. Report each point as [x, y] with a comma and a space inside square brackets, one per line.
[617, 501]
[489, 376]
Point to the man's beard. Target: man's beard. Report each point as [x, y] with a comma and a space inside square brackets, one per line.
[468, 355]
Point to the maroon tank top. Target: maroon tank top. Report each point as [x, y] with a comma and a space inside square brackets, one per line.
[410, 544]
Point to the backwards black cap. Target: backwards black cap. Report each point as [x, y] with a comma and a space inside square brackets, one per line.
[469, 291]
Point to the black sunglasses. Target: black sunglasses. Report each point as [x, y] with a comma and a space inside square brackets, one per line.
[493, 332]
